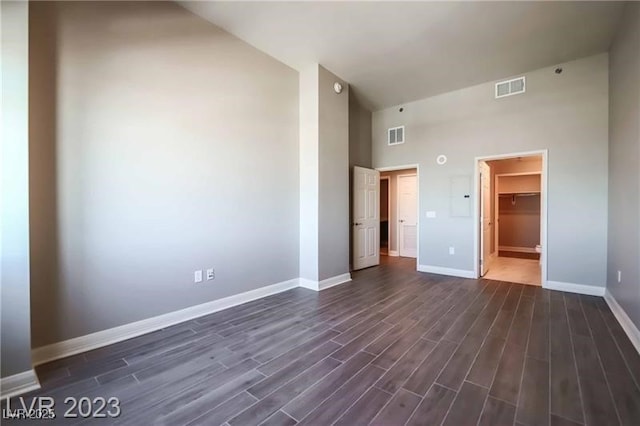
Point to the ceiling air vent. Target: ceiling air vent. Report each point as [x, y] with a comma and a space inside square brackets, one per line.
[510, 87]
[395, 135]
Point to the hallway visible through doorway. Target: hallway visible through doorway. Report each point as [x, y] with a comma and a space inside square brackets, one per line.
[399, 212]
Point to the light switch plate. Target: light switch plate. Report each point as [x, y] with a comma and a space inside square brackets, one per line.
[452, 250]
[197, 276]
[431, 214]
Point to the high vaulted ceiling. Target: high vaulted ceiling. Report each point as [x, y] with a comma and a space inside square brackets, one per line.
[395, 52]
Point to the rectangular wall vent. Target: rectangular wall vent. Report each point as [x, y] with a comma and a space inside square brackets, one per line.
[395, 135]
[510, 87]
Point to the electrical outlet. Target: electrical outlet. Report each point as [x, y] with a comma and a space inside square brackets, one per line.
[452, 250]
[197, 276]
[211, 274]
[619, 276]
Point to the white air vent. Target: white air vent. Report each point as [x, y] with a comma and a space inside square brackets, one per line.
[510, 87]
[395, 135]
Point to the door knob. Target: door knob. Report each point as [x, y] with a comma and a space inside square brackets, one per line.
[401, 220]
[357, 224]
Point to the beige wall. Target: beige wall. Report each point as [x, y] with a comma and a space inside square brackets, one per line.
[161, 145]
[393, 205]
[531, 164]
[524, 183]
[519, 223]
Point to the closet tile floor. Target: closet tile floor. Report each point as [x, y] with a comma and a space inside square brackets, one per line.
[392, 347]
[511, 269]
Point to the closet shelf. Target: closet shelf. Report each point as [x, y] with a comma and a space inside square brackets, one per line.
[519, 194]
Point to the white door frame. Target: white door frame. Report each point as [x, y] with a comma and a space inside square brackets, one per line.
[405, 167]
[544, 153]
[481, 230]
[388, 179]
[496, 194]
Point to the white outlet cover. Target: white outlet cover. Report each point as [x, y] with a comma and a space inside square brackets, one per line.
[210, 274]
[452, 250]
[431, 214]
[197, 276]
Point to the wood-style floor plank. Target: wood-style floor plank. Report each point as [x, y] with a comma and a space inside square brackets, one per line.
[467, 407]
[433, 408]
[392, 347]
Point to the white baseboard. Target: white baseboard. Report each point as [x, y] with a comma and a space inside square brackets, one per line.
[574, 288]
[518, 249]
[394, 253]
[627, 325]
[324, 284]
[18, 384]
[117, 334]
[446, 271]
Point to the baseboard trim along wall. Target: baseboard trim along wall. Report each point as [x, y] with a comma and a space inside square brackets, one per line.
[117, 334]
[463, 273]
[20, 383]
[325, 284]
[575, 288]
[627, 325]
[518, 249]
[394, 253]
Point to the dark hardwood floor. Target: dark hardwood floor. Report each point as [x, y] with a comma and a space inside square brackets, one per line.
[393, 347]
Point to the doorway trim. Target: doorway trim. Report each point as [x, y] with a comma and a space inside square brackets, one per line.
[417, 173]
[544, 186]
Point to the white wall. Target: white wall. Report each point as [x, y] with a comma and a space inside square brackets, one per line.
[624, 165]
[175, 148]
[14, 223]
[565, 113]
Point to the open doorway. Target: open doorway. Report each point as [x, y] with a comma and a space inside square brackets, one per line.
[399, 206]
[511, 218]
[385, 207]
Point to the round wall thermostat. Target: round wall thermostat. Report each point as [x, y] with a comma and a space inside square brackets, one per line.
[441, 159]
[337, 87]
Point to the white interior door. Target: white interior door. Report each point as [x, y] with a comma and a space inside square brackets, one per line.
[407, 215]
[366, 217]
[485, 217]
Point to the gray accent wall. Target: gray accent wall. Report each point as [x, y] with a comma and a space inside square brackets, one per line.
[565, 113]
[324, 175]
[359, 149]
[15, 343]
[333, 201]
[309, 171]
[359, 133]
[624, 164]
[174, 148]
